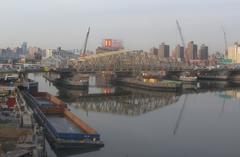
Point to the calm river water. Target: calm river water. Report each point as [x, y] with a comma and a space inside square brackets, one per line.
[136, 123]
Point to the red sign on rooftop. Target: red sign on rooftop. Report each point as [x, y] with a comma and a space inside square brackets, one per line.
[108, 43]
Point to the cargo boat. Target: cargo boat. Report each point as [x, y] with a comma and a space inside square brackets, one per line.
[152, 84]
[64, 130]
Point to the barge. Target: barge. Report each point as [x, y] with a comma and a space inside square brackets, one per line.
[152, 84]
[75, 82]
[214, 74]
[71, 84]
[64, 130]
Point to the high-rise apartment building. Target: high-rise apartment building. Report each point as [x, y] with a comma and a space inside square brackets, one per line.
[154, 51]
[164, 50]
[203, 52]
[191, 53]
[179, 52]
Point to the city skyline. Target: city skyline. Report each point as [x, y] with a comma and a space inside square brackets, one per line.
[140, 25]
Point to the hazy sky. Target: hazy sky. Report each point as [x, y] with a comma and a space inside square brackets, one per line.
[141, 24]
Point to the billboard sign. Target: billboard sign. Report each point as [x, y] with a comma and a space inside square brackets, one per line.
[108, 43]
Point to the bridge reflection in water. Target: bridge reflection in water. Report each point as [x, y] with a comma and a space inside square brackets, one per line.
[133, 102]
[124, 102]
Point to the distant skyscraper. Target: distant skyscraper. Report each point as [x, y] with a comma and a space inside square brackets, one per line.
[164, 50]
[192, 51]
[179, 52]
[203, 52]
[24, 48]
[154, 51]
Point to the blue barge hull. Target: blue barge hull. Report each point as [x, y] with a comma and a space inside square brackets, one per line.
[59, 139]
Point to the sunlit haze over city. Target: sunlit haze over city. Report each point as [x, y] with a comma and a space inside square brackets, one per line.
[127, 78]
[140, 24]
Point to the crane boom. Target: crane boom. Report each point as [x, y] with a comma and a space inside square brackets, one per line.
[183, 42]
[225, 41]
[180, 33]
[85, 43]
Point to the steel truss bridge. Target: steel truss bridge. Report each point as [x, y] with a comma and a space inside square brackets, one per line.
[126, 61]
[132, 105]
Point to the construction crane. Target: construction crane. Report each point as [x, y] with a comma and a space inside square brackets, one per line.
[186, 96]
[85, 43]
[225, 41]
[182, 40]
[180, 32]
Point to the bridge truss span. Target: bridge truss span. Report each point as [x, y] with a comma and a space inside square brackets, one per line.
[126, 60]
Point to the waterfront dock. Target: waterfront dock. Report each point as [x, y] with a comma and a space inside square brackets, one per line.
[18, 128]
